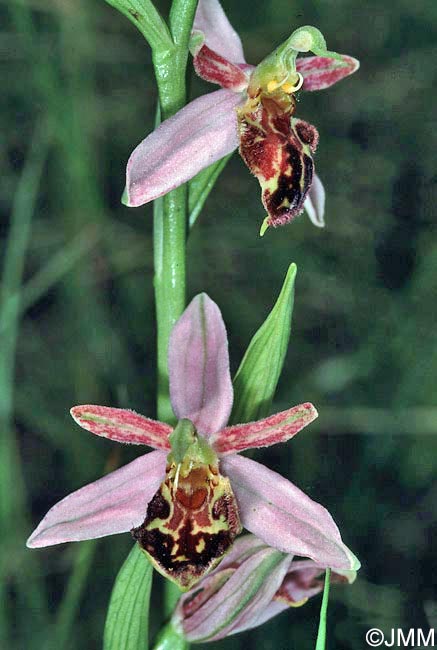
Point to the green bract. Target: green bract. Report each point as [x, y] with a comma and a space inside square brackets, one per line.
[257, 377]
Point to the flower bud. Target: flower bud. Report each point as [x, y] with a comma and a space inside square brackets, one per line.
[252, 584]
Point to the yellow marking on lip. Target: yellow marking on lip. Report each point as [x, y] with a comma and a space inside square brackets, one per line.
[273, 85]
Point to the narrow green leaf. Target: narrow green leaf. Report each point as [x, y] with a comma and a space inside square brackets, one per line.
[257, 377]
[200, 187]
[26, 596]
[127, 620]
[321, 635]
[44, 279]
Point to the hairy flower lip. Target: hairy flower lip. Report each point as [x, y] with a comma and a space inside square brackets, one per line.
[269, 505]
[151, 175]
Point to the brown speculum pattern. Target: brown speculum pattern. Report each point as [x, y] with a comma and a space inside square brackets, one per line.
[278, 150]
[190, 523]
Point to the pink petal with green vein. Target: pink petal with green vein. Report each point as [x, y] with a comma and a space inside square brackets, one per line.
[284, 517]
[315, 202]
[122, 425]
[198, 362]
[270, 431]
[214, 68]
[198, 135]
[320, 72]
[113, 504]
[304, 579]
[218, 32]
[246, 591]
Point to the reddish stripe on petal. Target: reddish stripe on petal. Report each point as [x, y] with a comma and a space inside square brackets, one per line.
[215, 68]
[270, 431]
[122, 425]
[320, 72]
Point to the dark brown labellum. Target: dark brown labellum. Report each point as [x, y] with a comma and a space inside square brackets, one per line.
[278, 150]
[190, 523]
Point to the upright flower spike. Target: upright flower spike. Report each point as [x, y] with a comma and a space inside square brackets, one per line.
[255, 110]
[185, 502]
[253, 584]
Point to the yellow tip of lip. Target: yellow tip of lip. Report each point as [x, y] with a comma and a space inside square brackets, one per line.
[264, 227]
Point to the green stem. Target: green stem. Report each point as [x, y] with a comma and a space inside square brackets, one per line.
[170, 218]
[169, 283]
[170, 639]
[170, 214]
[321, 635]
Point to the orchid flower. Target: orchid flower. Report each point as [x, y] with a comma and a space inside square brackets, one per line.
[254, 110]
[253, 583]
[186, 502]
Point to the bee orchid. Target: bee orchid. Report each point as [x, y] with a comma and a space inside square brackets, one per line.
[186, 501]
[254, 110]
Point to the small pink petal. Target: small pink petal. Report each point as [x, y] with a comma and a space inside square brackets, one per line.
[270, 431]
[122, 425]
[218, 32]
[214, 68]
[284, 517]
[320, 72]
[305, 579]
[113, 504]
[201, 133]
[198, 362]
[315, 203]
[299, 584]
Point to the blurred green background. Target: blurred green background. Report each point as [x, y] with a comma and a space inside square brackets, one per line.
[79, 95]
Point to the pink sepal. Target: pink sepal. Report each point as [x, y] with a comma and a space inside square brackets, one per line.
[198, 135]
[218, 33]
[216, 69]
[200, 381]
[113, 504]
[314, 204]
[270, 431]
[283, 516]
[122, 425]
[320, 72]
